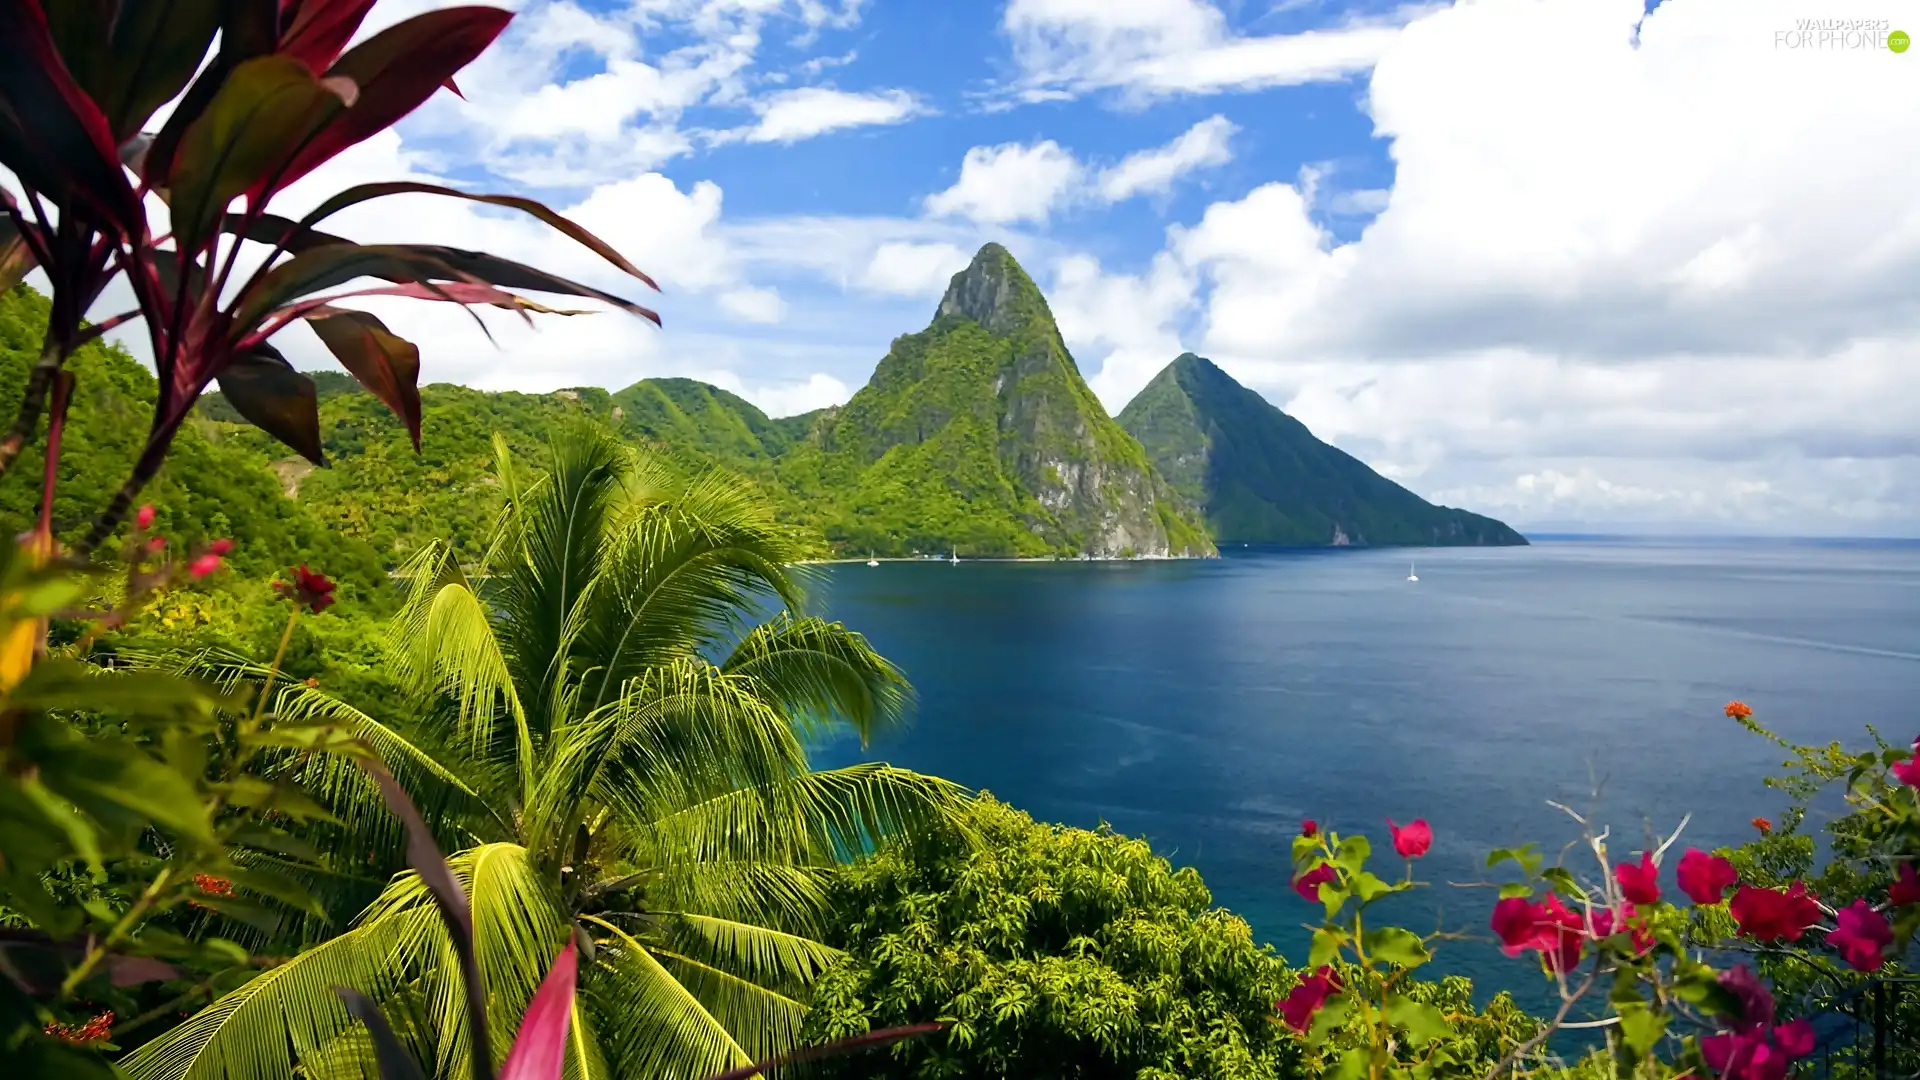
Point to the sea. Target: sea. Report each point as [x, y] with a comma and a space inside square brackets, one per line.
[1211, 706]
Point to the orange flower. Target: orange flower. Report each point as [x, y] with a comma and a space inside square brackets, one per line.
[312, 683]
[94, 1030]
[1765, 826]
[1739, 710]
[213, 886]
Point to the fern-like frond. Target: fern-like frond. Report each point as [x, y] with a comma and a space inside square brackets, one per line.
[656, 1028]
[821, 673]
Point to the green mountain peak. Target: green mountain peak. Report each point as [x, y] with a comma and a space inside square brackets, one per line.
[1260, 476]
[979, 435]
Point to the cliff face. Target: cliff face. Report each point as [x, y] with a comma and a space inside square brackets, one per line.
[1260, 476]
[979, 434]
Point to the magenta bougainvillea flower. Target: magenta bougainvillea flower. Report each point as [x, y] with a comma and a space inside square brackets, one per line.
[1908, 771]
[143, 520]
[1705, 877]
[1773, 915]
[1754, 1048]
[1308, 884]
[1861, 936]
[1639, 882]
[1412, 840]
[308, 589]
[1557, 934]
[1309, 827]
[1906, 885]
[1606, 923]
[1298, 1007]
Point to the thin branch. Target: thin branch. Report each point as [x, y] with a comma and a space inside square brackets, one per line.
[1559, 1019]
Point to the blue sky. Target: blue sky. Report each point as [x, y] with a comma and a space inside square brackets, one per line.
[1568, 262]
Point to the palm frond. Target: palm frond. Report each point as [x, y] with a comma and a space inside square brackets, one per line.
[820, 673]
[656, 1027]
[767, 958]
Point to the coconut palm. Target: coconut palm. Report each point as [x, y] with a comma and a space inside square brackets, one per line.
[629, 686]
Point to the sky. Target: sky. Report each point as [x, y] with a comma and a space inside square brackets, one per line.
[1608, 264]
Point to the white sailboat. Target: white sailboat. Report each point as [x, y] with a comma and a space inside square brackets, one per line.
[871, 561]
[956, 557]
[1411, 576]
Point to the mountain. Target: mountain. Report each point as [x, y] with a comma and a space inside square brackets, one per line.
[979, 435]
[1261, 477]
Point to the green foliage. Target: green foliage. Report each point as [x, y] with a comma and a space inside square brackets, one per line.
[1262, 477]
[1054, 952]
[212, 486]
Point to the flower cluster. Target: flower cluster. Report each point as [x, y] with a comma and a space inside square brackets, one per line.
[199, 565]
[308, 589]
[212, 885]
[1754, 1047]
[1299, 1006]
[94, 1030]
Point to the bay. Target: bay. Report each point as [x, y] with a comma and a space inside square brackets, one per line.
[1211, 706]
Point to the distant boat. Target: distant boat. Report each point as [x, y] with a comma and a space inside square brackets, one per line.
[871, 561]
[1411, 576]
[956, 558]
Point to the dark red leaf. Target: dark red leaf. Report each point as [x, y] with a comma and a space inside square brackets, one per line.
[52, 135]
[384, 363]
[132, 56]
[871, 1040]
[508, 274]
[248, 28]
[327, 266]
[315, 31]
[398, 69]
[394, 1061]
[278, 400]
[364, 192]
[539, 1051]
[269, 107]
[276, 231]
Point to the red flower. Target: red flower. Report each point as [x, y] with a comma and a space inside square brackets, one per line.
[1308, 884]
[1640, 884]
[1906, 886]
[1772, 915]
[1908, 771]
[156, 543]
[1705, 878]
[204, 565]
[1738, 710]
[1303, 1001]
[1606, 924]
[309, 589]
[220, 546]
[1412, 841]
[143, 520]
[94, 1030]
[1550, 929]
[213, 886]
[1765, 826]
[1309, 828]
[1861, 936]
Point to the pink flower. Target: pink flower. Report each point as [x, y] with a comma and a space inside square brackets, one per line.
[143, 520]
[1639, 884]
[1861, 936]
[1908, 771]
[1303, 1001]
[1704, 877]
[1309, 828]
[1549, 928]
[204, 565]
[1412, 841]
[1906, 886]
[156, 543]
[1606, 924]
[220, 546]
[1308, 884]
[1794, 1039]
[1772, 915]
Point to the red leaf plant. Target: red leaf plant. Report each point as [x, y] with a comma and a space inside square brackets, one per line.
[282, 95]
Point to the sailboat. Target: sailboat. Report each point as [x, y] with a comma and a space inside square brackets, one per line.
[871, 561]
[956, 557]
[1411, 576]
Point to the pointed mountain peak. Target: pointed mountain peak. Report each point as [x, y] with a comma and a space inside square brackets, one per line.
[993, 291]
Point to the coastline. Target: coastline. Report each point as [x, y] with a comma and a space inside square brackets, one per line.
[1000, 559]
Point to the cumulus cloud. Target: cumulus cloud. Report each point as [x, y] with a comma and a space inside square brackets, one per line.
[1016, 182]
[1148, 49]
[910, 269]
[815, 110]
[1009, 183]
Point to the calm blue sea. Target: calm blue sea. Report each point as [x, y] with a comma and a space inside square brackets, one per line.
[1210, 706]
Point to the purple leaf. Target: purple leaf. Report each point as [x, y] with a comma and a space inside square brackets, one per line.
[540, 1050]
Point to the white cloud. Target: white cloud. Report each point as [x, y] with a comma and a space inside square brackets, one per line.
[1155, 171]
[815, 110]
[914, 269]
[1149, 49]
[1134, 319]
[791, 399]
[754, 305]
[1010, 183]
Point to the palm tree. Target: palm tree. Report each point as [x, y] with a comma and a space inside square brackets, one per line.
[631, 771]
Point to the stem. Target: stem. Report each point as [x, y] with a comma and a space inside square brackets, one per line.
[273, 670]
[56, 426]
[120, 929]
[144, 470]
[39, 381]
